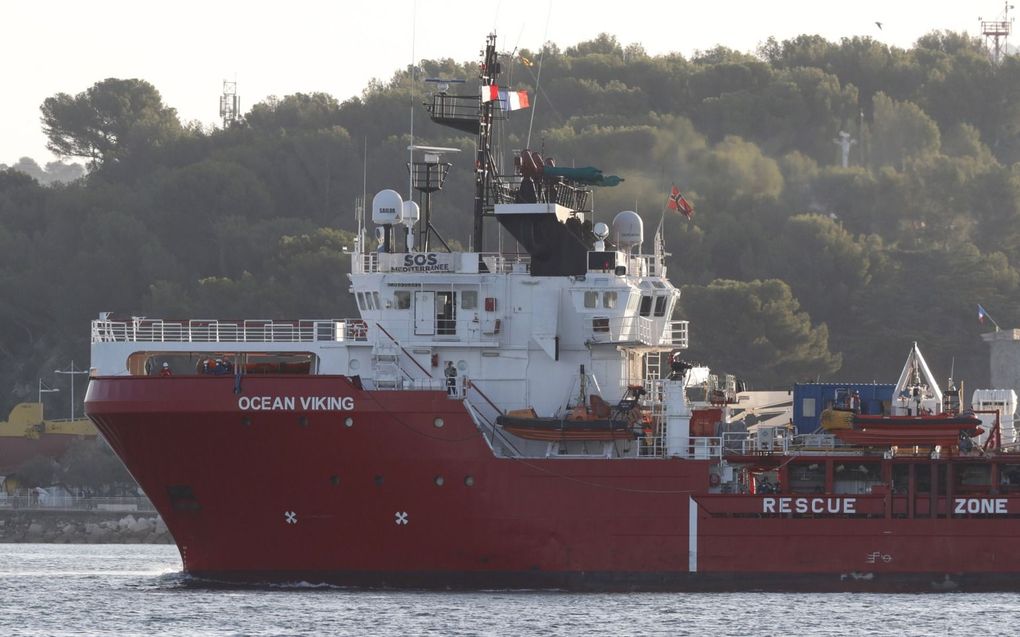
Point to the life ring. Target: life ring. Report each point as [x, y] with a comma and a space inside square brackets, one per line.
[713, 480]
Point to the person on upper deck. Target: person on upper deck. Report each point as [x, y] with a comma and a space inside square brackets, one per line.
[451, 378]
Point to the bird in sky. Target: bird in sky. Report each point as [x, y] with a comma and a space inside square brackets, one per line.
[878, 24]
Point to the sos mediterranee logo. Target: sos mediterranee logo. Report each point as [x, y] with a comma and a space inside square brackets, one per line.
[424, 262]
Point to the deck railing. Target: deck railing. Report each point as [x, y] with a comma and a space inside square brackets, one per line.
[640, 329]
[217, 331]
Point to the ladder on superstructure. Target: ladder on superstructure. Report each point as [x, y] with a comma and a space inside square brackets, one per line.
[385, 366]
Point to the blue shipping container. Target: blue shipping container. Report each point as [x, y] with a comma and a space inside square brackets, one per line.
[809, 399]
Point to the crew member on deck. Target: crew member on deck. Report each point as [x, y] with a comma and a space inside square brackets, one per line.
[166, 371]
[451, 378]
[854, 401]
[678, 367]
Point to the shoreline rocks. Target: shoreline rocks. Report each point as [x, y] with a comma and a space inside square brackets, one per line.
[76, 527]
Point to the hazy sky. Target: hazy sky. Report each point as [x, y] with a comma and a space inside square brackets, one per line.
[187, 48]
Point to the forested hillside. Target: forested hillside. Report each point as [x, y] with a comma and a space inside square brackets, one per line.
[793, 267]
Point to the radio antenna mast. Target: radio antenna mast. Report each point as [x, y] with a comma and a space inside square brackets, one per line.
[230, 104]
[996, 33]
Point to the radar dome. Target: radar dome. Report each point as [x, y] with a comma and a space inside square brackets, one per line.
[410, 214]
[386, 207]
[628, 229]
[601, 231]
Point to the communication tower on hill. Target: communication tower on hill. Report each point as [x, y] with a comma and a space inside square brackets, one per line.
[996, 33]
[230, 104]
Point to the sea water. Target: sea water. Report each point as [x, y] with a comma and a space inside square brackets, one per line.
[82, 590]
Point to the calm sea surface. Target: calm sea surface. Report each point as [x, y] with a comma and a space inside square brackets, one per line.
[139, 590]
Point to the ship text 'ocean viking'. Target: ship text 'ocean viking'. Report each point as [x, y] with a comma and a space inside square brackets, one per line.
[290, 403]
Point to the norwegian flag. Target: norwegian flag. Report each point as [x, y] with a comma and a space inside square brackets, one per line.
[679, 203]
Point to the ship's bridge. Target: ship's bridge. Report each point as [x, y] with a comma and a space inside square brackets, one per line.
[492, 299]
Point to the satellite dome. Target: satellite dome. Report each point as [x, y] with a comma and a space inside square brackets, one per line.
[628, 229]
[410, 214]
[387, 206]
[601, 231]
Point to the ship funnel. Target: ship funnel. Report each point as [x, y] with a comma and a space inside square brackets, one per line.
[628, 230]
[387, 206]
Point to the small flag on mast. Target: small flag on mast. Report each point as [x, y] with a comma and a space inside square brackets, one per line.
[508, 100]
[983, 314]
[513, 100]
[679, 203]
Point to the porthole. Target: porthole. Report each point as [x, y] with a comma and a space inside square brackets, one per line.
[378, 481]
[438, 422]
[439, 480]
[469, 481]
[334, 480]
[246, 421]
[348, 422]
[354, 365]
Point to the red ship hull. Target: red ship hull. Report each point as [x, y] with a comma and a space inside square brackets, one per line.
[279, 494]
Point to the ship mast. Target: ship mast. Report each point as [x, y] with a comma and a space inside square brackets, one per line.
[483, 160]
[474, 114]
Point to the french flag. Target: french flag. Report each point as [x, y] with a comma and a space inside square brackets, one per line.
[982, 314]
[513, 100]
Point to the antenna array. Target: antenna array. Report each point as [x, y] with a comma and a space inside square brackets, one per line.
[996, 33]
[230, 104]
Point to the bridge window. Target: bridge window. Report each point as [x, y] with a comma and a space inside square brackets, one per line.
[468, 300]
[367, 300]
[591, 299]
[402, 300]
[609, 300]
[660, 306]
[646, 306]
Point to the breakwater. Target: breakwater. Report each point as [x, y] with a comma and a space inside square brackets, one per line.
[82, 527]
